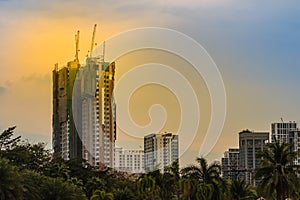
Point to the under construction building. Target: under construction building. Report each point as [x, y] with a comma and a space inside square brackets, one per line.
[84, 112]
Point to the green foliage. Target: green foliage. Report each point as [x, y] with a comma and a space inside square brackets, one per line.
[205, 191]
[92, 184]
[124, 194]
[102, 195]
[146, 187]
[56, 188]
[203, 179]
[6, 140]
[188, 187]
[10, 181]
[28, 156]
[29, 171]
[239, 190]
[278, 176]
[32, 183]
[57, 169]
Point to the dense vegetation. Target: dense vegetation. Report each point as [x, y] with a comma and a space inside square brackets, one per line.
[29, 171]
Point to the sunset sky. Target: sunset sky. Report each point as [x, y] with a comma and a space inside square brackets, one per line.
[255, 44]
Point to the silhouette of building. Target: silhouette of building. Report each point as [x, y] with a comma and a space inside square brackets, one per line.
[250, 143]
[280, 131]
[230, 164]
[294, 140]
[287, 132]
[160, 150]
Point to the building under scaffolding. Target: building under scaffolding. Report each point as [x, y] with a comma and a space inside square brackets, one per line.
[84, 94]
[66, 139]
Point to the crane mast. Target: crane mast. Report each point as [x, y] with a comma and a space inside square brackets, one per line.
[103, 52]
[93, 39]
[77, 46]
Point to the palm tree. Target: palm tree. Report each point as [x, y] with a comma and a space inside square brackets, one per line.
[188, 187]
[277, 175]
[205, 191]
[239, 190]
[206, 174]
[146, 187]
[102, 195]
[173, 172]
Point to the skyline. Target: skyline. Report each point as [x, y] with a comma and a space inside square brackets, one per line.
[256, 53]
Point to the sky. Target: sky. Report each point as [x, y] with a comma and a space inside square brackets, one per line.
[255, 45]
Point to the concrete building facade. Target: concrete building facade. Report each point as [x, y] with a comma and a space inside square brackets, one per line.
[230, 164]
[280, 131]
[66, 139]
[294, 140]
[250, 143]
[93, 135]
[131, 161]
[161, 150]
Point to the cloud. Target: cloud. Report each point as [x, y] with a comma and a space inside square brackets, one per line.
[95, 8]
[2, 90]
[46, 78]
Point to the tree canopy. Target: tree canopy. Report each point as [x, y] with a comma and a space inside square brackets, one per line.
[30, 171]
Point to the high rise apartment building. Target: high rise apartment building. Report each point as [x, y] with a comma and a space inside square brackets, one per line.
[294, 140]
[280, 131]
[85, 95]
[250, 143]
[66, 139]
[106, 113]
[161, 150]
[230, 164]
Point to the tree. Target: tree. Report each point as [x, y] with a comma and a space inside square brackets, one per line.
[146, 187]
[92, 184]
[10, 181]
[239, 190]
[188, 187]
[32, 182]
[173, 173]
[208, 175]
[123, 194]
[6, 140]
[205, 191]
[29, 156]
[57, 188]
[80, 169]
[57, 169]
[102, 195]
[278, 177]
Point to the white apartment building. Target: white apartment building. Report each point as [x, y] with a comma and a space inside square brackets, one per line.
[161, 150]
[131, 161]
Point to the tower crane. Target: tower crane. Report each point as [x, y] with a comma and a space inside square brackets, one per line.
[77, 46]
[93, 39]
[103, 52]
